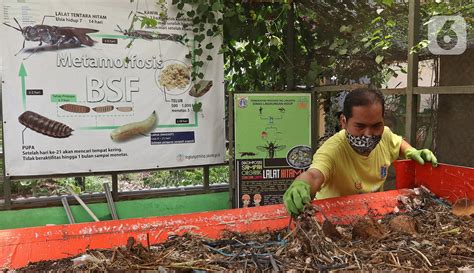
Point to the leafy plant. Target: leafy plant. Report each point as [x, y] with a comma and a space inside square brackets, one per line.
[194, 177]
[206, 26]
[339, 40]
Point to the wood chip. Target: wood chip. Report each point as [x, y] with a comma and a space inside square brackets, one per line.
[304, 248]
[404, 224]
[463, 207]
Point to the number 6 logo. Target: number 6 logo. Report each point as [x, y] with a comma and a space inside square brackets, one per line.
[447, 35]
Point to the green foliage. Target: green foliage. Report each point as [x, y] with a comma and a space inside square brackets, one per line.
[197, 107]
[255, 35]
[193, 177]
[95, 184]
[206, 25]
[254, 51]
[202, 14]
[157, 179]
[219, 175]
[345, 39]
[51, 187]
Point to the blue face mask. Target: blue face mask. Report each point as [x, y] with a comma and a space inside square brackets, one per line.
[363, 144]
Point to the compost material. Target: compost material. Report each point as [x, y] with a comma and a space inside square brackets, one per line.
[421, 234]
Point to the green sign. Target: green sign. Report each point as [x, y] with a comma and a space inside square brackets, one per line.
[63, 98]
[269, 125]
[272, 144]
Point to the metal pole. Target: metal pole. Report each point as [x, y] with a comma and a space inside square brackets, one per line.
[83, 205]
[80, 181]
[70, 217]
[314, 121]
[232, 177]
[115, 187]
[7, 186]
[110, 201]
[290, 48]
[7, 192]
[206, 177]
[412, 77]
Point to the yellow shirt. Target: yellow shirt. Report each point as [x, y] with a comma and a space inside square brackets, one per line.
[346, 172]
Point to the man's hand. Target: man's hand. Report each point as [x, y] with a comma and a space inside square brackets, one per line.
[296, 196]
[421, 156]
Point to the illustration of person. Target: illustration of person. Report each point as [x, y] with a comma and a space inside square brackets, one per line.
[246, 200]
[260, 110]
[257, 198]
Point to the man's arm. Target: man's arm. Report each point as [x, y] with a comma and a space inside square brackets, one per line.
[302, 190]
[420, 156]
[403, 147]
[314, 178]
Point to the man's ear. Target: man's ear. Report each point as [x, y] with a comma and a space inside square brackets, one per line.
[343, 121]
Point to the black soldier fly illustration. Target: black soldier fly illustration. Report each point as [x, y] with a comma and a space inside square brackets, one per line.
[56, 37]
[150, 35]
[242, 154]
[271, 148]
[282, 110]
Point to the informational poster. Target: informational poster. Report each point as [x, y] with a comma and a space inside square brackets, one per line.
[272, 144]
[89, 87]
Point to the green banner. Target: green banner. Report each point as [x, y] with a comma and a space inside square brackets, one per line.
[272, 144]
[269, 125]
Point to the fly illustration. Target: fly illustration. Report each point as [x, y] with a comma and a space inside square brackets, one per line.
[271, 148]
[150, 35]
[55, 37]
[242, 154]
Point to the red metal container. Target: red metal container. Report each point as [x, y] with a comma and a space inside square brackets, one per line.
[18, 247]
[446, 181]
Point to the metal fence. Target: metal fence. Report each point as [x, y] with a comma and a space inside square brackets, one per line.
[45, 201]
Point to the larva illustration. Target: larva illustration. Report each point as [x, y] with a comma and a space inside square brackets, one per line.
[133, 129]
[44, 125]
[103, 109]
[75, 108]
[201, 88]
[124, 109]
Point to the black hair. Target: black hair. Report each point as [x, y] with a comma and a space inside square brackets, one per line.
[338, 126]
[362, 97]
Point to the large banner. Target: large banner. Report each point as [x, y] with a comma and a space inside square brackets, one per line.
[87, 89]
[272, 145]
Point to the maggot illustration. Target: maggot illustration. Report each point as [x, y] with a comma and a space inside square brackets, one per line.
[200, 89]
[75, 108]
[44, 125]
[124, 109]
[103, 109]
[130, 130]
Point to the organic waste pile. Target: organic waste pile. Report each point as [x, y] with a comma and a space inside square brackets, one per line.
[423, 233]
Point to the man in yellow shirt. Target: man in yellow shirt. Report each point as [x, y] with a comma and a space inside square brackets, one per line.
[356, 159]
